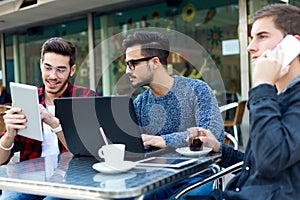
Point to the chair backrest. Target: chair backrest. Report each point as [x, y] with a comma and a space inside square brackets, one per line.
[228, 106]
[3, 108]
[230, 140]
[239, 112]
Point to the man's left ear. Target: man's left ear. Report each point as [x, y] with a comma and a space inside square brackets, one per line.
[156, 61]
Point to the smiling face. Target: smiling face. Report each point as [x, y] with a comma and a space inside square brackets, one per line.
[56, 71]
[264, 36]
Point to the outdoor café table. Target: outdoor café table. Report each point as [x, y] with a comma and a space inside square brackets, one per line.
[74, 178]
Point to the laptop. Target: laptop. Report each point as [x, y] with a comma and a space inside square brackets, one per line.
[82, 117]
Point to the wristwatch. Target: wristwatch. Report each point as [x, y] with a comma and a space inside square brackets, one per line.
[57, 129]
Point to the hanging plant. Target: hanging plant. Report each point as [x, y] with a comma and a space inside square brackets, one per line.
[216, 60]
[121, 65]
[215, 36]
[188, 12]
[209, 15]
[155, 15]
[144, 22]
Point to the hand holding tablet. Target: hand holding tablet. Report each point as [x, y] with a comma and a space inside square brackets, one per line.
[26, 97]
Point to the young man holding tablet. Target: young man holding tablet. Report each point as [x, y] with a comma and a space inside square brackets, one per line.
[57, 66]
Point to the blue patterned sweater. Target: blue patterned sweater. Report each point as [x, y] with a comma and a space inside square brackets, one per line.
[189, 103]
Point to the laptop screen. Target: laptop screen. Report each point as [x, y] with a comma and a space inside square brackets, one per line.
[81, 118]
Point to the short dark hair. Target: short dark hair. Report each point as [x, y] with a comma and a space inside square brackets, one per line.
[59, 46]
[152, 44]
[285, 17]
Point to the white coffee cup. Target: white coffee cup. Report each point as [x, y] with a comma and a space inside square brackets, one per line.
[113, 154]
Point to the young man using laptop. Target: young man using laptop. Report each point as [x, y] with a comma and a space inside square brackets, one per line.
[57, 66]
[172, 103]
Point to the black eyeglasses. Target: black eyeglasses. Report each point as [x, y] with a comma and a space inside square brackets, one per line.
[131, 63]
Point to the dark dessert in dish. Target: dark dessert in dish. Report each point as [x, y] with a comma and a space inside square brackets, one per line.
[196, 144]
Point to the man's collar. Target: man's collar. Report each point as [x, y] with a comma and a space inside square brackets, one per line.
[291, 84]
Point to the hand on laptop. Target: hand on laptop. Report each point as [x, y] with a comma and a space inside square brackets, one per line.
[54, 123]
[153, 140]
[48, 118]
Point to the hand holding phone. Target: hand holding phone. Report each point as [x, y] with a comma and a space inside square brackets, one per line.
[290, 48]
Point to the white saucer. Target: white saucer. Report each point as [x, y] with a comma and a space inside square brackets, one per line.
[187, 152]
[103, 168]
[100, 177]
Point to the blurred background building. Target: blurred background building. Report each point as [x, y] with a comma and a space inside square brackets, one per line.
[97, 28]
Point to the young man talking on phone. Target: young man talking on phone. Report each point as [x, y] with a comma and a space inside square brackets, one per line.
[271, 160]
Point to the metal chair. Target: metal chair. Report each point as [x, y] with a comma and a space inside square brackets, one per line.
[238, 116]
[219, 174]
[229, 139]
[232, 169]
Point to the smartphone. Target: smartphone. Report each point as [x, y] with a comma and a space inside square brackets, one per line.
[291, 49]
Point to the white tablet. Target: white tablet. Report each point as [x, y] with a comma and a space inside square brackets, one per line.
[166, 162]
[26, 97]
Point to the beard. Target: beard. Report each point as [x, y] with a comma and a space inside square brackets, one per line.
[143, 80]
[62, 87]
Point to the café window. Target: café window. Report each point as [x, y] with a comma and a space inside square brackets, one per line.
[212, 24]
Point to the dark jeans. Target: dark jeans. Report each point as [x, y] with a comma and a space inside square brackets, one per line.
[11, 195]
